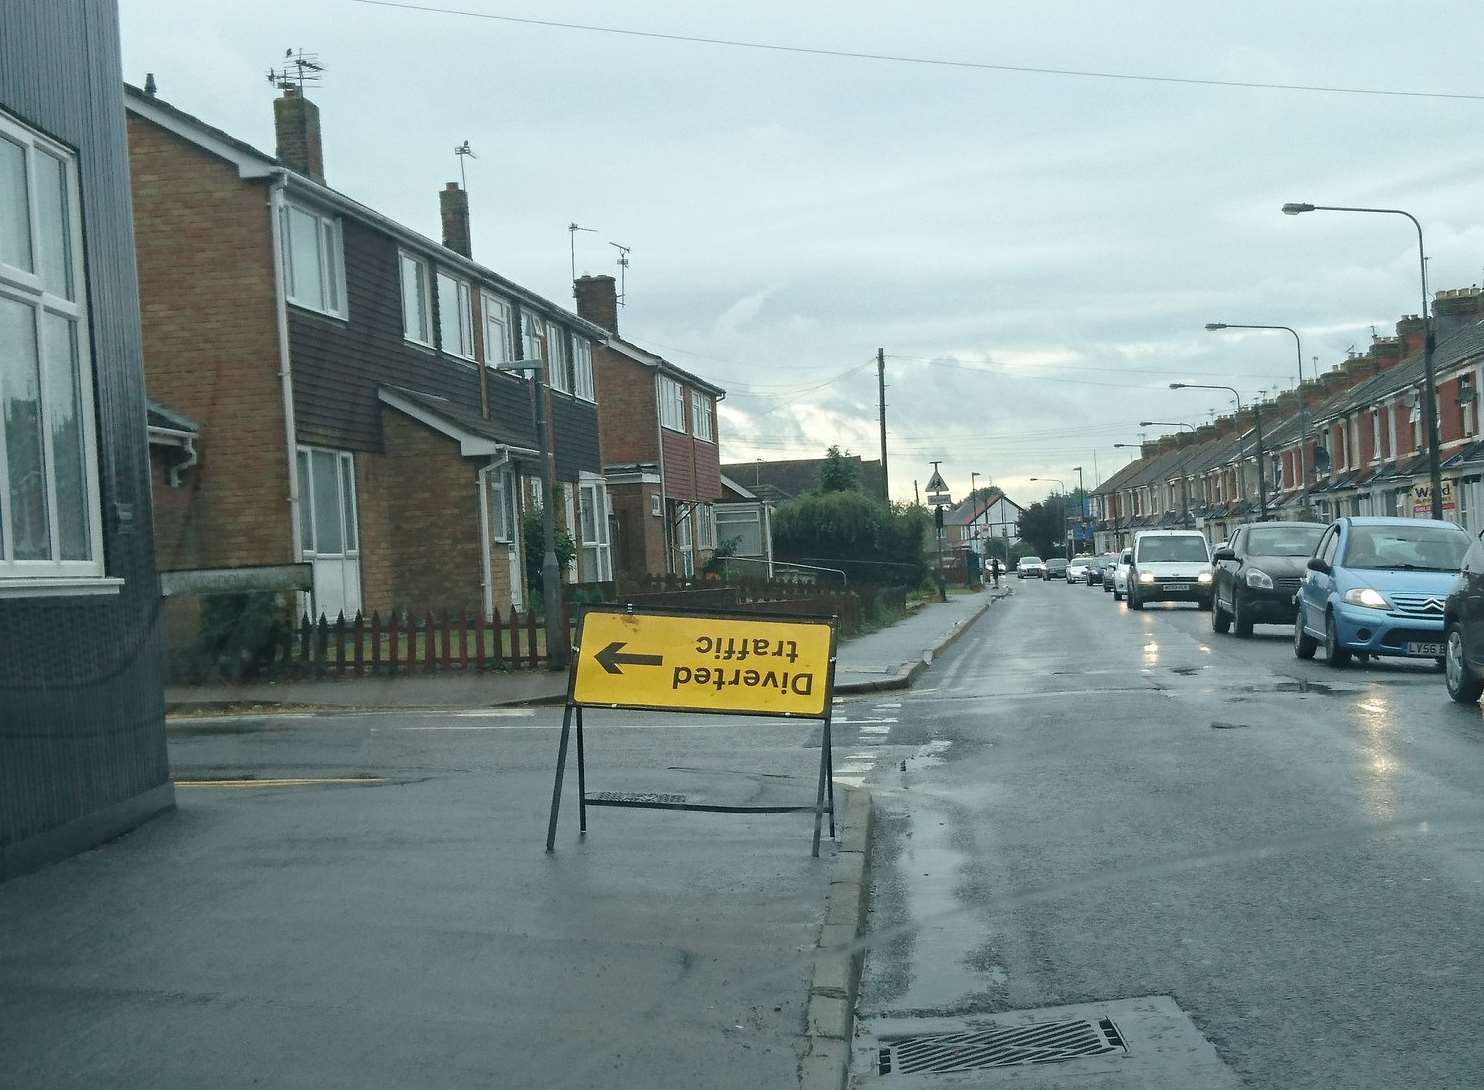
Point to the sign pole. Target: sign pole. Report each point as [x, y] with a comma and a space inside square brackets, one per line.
[581, 776]
[824, 778]
[556, 790]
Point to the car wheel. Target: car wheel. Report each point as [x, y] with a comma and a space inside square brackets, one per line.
[1241, 623]
[1304, 645]
[1117, 595]
[1205, 603]
[1220, 620]
[1134, 601]
[1334, 655]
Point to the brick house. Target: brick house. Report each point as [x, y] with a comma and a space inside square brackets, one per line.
[342, 373]
[658, 424]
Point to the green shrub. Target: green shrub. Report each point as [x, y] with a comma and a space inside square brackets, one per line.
[870, 541]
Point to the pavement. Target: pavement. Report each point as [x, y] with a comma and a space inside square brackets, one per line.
[1263, 871]
[888, 659]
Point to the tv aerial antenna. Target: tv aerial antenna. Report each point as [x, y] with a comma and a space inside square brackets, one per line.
[572, 229]
[298, 68]
[461, 152]
[623, 270]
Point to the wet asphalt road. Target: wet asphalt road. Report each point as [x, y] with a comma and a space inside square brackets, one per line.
[1100, 804]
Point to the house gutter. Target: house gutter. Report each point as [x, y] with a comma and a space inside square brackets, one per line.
[285, 372]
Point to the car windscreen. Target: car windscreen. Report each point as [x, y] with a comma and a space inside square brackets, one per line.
[1283, 540]
[1083, 559]
[1423, 548]
[1029, 560]
[1186, 548]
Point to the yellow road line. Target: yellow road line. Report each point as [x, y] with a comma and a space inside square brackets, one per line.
[286, 782]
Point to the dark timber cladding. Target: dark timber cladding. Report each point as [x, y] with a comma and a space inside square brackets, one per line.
[82, 733]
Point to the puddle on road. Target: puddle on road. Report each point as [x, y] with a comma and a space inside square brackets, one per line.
[929, 866]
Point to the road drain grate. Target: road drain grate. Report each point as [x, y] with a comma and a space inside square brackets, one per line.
[1001, 1046]
[632, 797]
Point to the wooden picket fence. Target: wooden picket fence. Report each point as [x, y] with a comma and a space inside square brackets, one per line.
[409, 643]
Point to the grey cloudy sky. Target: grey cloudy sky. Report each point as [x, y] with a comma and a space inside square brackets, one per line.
[1037, 254]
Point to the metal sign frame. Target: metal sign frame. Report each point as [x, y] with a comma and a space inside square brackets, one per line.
[824, 800]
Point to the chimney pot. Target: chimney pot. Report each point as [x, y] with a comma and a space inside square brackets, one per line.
[597, 300]
[453, 206]
[296, 129]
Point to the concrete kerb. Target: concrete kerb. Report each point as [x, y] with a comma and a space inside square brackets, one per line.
[832, 990]
[909, 671]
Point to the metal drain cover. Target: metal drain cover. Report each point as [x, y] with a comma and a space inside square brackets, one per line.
[1002, 1046]
[619, 798]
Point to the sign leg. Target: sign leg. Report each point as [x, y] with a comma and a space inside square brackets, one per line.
[829, 763]
[824, 775]
[581, 777]
[556, 789]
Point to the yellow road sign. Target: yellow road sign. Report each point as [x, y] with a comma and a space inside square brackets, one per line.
[732, 663]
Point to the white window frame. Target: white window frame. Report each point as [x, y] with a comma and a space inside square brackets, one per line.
[532, 336]
[569, 510]
[1414, 415]
[331, 271]
[503, 527]
[671, 397]
[464, 302]
[684, 543]
[703, 417]
[558, 359]
[705, 526]
[23, 578]
[498, 344]
[596, 550]
[350, 530]
[582, 369]
[1375, 435]
[424, 336]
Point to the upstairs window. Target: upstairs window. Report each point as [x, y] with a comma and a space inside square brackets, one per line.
[1415, 416]
[417, 316]
[455, 317]
[50, 527]
[701, 411]
[558, 362]
[1375, 435]
[672, 404]
[312, 262]
[582, 369]
[533, 337]
[497, 343]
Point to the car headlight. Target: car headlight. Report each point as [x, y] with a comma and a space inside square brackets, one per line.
[1259, 580]
[1146, 577]
[1204, 577]
[1365, 596]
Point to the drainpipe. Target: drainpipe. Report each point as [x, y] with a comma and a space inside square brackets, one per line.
[485, 572]
[285, 372]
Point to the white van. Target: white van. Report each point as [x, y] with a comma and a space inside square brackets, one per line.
[1170, 565]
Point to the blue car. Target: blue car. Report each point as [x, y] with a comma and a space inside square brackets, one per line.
[1377, 586]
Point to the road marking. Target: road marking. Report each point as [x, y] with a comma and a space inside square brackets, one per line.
[307, 781]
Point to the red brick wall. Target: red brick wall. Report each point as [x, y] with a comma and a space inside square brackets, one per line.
[640, 549]
[1450, 413]
[626, 408]
[1402, 414]
[205, 259]
[1366, 429]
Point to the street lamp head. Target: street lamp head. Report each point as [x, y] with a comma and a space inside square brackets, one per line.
[1177, 386]
[1294, 208]
[1212, 327]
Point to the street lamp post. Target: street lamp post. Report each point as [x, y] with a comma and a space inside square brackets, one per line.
[551, 574]
[1262, 488]
[1061, 502]
[1304, 424]
[1429, 342]
[1081, 504]
[1184, 480]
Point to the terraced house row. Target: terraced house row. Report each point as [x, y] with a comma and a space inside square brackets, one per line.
[1352, 442]
[331, 386]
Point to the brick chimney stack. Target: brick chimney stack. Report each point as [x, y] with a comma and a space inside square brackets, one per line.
[296, 128]
[453, 206]
[597, 301]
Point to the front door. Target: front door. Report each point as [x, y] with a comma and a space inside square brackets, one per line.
[328, 532]
[505, 529]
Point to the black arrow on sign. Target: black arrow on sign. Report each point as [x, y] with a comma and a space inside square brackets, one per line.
[610, 659]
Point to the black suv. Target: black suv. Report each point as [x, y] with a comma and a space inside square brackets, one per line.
[1258, 572]
[1463, 621]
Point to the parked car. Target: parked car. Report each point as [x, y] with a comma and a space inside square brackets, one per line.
[1120, 574]
[1077, 567]
[1170, 565]
[1110, 566]
[1258, 572]
[1029, 567]
[1056, 568]
[1095, 571]
[1379, 586]
[1463, 630]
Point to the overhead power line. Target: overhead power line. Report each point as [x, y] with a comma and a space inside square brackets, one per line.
[941, 62]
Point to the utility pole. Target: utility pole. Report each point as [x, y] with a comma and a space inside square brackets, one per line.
[1262, 488]
[881, 408]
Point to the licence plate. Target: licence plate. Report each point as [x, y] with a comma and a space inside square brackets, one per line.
[1177, 586]
[1433, 650]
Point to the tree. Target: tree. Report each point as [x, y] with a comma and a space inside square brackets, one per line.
[840, 472]
[534, 535]
[867, 539]
[1042, 525]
